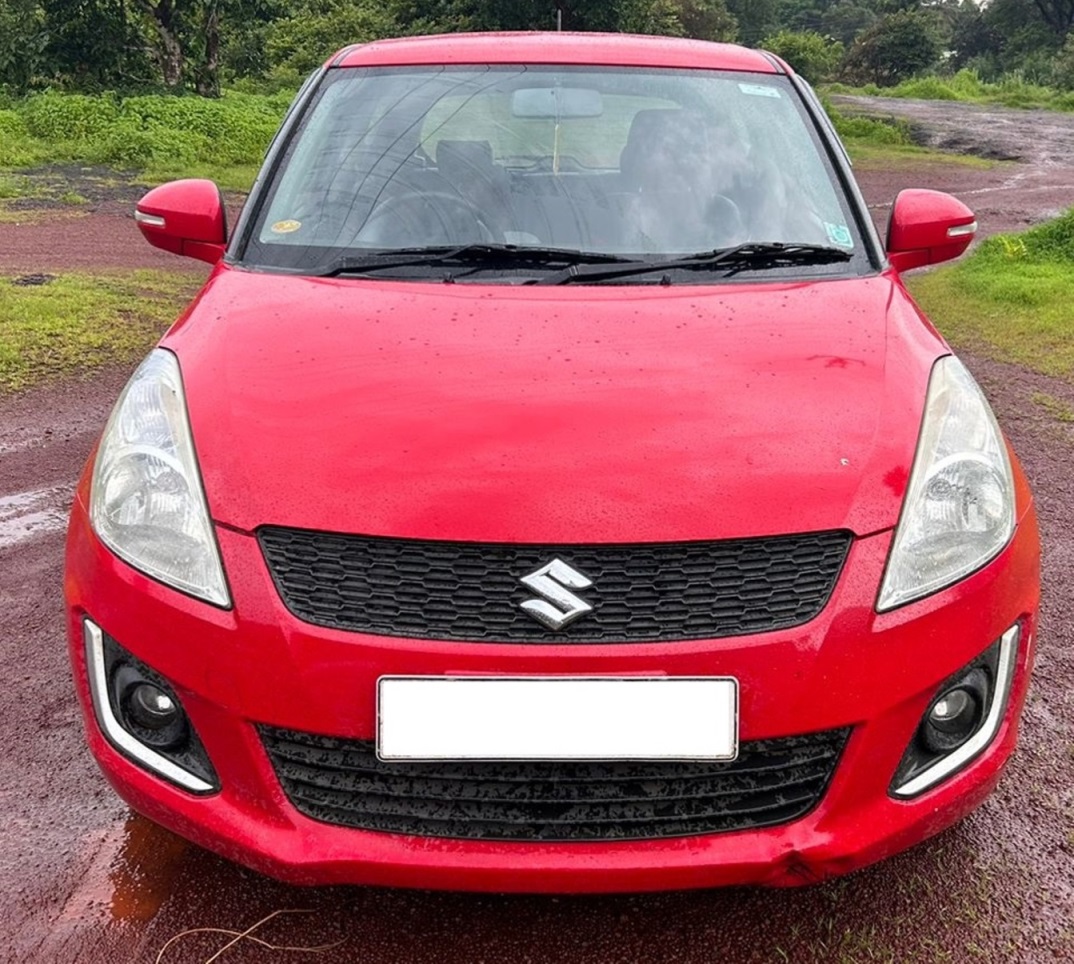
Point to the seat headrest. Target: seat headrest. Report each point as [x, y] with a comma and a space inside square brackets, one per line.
[662, 133]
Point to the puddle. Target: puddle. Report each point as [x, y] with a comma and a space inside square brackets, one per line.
[144, 870]
[37, 512]
[129, 871]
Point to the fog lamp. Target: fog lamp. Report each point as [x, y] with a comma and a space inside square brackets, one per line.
[152, 708]
[951, 720]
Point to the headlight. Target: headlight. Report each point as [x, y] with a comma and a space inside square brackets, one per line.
[146, 500]
[959, 508]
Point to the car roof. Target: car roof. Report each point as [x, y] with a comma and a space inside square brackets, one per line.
[613, 50]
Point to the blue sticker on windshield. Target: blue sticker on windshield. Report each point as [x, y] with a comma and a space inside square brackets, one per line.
[759, 90]
[839, 234]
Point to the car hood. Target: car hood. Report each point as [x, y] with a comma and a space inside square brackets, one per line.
[571, 414]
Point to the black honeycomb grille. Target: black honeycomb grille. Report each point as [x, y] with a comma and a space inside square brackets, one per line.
[342, 782]
[471, 591]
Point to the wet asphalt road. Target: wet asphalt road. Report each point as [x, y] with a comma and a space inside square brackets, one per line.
[82, 880]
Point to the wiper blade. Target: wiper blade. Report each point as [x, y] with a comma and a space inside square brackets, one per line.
[479, 254]
[752, 254]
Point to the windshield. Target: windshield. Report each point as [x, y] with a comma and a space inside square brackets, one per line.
[636, 163]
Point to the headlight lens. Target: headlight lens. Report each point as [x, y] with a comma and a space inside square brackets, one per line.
[146, 499]
[959, 507]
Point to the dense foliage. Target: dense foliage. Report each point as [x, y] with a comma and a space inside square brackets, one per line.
[161, 134]
[268, 45]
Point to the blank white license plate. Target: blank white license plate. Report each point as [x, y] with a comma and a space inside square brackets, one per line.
[556, 718]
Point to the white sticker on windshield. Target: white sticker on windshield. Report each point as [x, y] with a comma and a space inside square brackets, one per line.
[839, 234]
[759, 90]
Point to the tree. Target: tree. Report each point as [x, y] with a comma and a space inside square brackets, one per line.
[1057, 14]
[315, 29]
[756, 18]
[658, 17]
[896, 47]
[845, 21]
[815, 57]
[92, 44]
[23, 38]
[1063, 68]
[707, 20]
[162, 18]
[185, 37]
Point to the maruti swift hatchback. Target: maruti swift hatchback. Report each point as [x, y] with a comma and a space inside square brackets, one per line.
[553, 488]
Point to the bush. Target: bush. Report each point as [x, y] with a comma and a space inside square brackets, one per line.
[927, 88]
[12, 126]
[16, 147]
[56, 117]
[141, 132]
[967, 84]
[1048, 243]
[233, 130]
[1063, 66]
[128, 146]
[815, 57]
[1011, 89]
[870, 130]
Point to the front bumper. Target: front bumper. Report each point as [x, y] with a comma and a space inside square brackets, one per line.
[258, 665]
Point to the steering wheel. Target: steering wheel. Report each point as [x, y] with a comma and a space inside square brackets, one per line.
[728, 215]
[430, 218]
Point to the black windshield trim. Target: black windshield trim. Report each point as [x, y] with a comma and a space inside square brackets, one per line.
[238, 255]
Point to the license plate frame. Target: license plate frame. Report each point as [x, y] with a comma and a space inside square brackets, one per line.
[557, 718]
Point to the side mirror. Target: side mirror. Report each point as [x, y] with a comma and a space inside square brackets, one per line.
[185, 217]
[928, 227]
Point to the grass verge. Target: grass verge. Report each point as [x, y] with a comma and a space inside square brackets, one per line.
[885, 143]
[1010, 300]
[79, 322]
[967, 87]
[875, 157]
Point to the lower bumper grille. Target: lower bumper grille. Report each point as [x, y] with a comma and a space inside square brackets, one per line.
[342, 782]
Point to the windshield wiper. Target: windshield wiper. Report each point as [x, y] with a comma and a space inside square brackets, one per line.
[478, 255]
[752, 254]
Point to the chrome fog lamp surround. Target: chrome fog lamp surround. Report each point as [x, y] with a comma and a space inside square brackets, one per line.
[119, 737]
[946, 766]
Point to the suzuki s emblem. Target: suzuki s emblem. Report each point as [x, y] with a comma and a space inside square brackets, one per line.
[557, 606]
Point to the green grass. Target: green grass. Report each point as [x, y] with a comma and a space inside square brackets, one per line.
[14, 186]
[967, 87]
[80, 322]
[229, 177]
[1057, 408]
[872, 157]
[11, 215]
[1011, 299]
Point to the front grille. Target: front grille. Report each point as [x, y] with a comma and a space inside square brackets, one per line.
[342, 782]
[471, 591]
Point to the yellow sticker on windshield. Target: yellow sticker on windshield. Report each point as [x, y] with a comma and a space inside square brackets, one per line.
[286, 227]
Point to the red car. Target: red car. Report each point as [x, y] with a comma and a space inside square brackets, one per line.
[706, 563]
